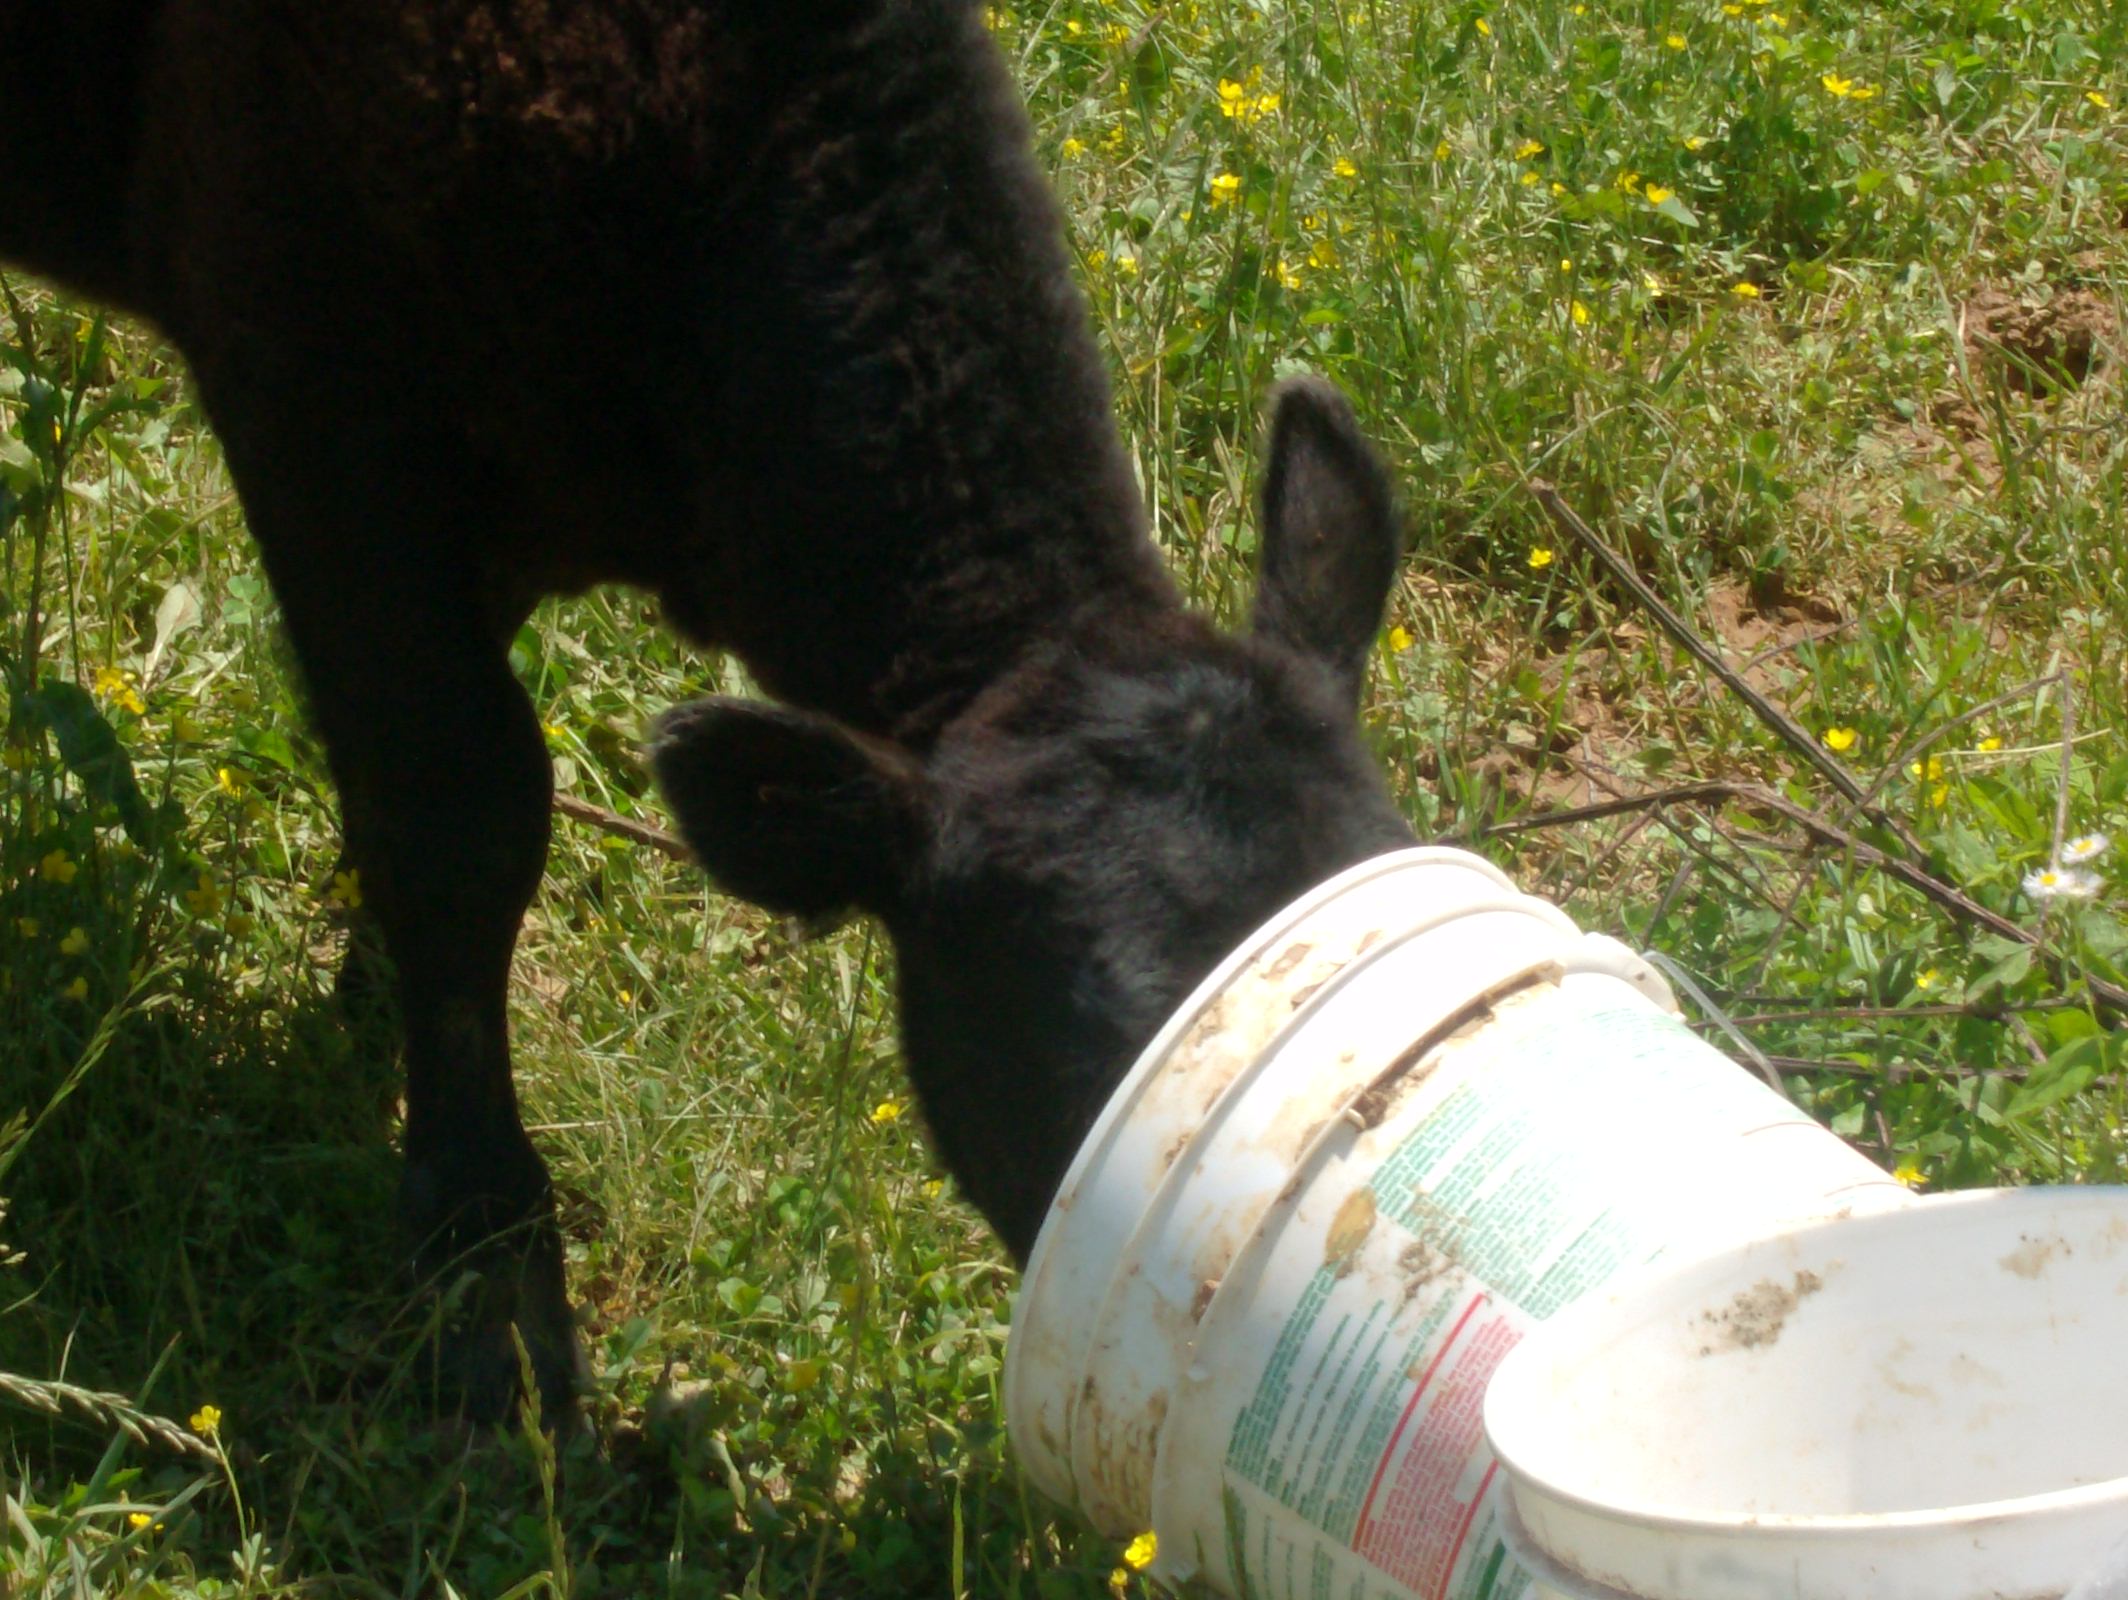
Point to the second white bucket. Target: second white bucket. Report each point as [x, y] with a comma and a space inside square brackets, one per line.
[1414, 1115]
[1925, 1405]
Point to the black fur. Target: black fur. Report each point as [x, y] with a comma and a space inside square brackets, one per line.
[765, 309]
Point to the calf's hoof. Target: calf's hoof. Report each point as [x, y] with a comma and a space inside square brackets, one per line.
[500, 1288]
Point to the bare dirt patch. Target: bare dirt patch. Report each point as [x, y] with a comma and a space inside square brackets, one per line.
[2039, 340]
[1755, 629]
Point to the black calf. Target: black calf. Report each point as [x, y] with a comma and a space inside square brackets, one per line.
[763, 308]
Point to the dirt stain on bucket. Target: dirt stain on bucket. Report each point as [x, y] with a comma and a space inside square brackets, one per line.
[1292, 957]
[2030, 1258]
[1349, 1230]
[1758, 1314]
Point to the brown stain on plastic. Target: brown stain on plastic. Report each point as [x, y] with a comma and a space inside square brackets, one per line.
[1201, 1301]
[1124, 1450]
[2030, 1258]
[1757, 1315]
[1290, 958]
[1355, 1219]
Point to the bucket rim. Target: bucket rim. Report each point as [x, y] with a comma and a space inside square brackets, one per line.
[1518, 1480]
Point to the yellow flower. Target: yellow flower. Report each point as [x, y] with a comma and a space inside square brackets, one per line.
[1927, 978]
[1441, 151]
[116, 687]
[933, 1188]
[1991, 742]
[1746, 290]
[1840, 740]
[203, 899]
[1845, 88]
[1629, 181]
[1940, 796]
[1909, 1174]
[1580, 314]
[1655, 194]
[1074, 147]
[885, 1112]
[1400, 640]
[232, 782]
[1344, 168]
[2098, 100]
[1117, 34]
[137, 1520]
[1139, 1553]
[207, 1421]
[1676, 41]
[1127, 265]
[346, 891]
[625, 996]
[1694, 142]
[1558, 188]
[58, 866]
[1224, 188]
[1566, 263]
[1484, 32]
[1931, 769]
[76, 943]
[1530, 180]
[1539, 558]
[1239, 102]
[77, 990]
[1288, 277]
[1074, 28]
[1528, 148]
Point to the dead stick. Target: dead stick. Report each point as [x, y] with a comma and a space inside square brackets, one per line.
[2110, 996]
[1892, 1072]
[621, 827]
[1793, 733]
[1985, 1010]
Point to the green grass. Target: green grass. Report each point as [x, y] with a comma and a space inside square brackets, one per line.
[1782, 344]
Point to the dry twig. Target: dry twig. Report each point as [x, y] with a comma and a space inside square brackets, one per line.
[2111, 997]
[622, 827]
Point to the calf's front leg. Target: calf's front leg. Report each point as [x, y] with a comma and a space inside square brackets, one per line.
[444, 787]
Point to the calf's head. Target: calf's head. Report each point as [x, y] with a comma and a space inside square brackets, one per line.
[1108, 818]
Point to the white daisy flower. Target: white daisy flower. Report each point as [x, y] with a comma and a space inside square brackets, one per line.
[2089, 847]
[2060, 883]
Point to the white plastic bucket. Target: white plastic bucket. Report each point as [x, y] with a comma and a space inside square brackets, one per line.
[1415, 1113]
[1232, 1017]
[1925, 1405]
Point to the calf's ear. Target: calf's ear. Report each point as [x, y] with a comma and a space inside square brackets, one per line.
[1330, 534]
[790, 811]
